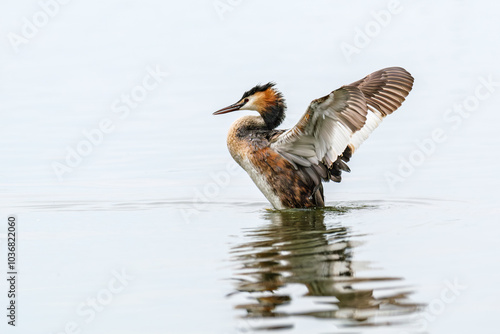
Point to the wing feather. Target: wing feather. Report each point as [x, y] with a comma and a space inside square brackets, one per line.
[336, 125]
[384, 91]
[325, 129]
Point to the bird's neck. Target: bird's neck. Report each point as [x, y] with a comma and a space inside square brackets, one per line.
[273, 114]
[244, 124]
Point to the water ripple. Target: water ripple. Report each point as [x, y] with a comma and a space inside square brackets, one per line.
[298, 265]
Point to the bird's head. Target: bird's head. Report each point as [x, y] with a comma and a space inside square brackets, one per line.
[265, 99]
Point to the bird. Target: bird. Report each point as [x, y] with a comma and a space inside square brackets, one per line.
[290, 166]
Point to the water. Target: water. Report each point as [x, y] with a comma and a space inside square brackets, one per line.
[154, 229]
[296, 251]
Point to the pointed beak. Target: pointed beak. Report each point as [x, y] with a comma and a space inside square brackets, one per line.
[232, 107]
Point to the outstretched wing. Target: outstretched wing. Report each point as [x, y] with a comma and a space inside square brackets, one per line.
[335, 125]
[325, 129]
[384, 91]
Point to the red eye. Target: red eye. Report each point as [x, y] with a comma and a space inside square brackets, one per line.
[246, 100]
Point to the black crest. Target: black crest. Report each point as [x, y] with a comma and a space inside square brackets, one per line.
[258, 88]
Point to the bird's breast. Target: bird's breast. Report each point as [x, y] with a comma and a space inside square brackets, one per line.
[251, 153]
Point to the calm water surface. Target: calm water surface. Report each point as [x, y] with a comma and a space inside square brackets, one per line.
[401, 266]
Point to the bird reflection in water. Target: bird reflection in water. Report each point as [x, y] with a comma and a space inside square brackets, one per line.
[296, 247]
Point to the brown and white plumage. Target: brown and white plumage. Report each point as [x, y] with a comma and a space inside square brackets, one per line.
[289, 166]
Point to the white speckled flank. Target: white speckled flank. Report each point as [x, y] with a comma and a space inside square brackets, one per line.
[261, 182]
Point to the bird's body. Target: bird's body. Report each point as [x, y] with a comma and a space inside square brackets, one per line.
[249, 144]
[289, 166]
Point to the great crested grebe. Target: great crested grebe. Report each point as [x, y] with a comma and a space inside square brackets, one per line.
[289, 166]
